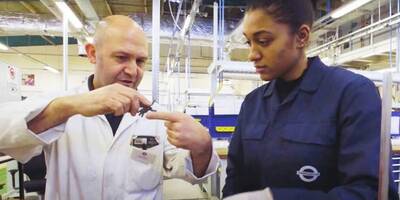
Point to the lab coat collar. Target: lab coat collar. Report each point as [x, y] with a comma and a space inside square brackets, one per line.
[126, 122]
[311, 79]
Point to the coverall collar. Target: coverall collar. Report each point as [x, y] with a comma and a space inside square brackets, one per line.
[311, 79]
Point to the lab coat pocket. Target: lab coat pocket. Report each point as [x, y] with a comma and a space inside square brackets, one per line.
[254, 131]
[319, 133]
[145, 168]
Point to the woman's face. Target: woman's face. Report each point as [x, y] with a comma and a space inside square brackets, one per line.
[273, 47]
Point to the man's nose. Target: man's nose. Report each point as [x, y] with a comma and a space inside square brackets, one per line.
[131, 68]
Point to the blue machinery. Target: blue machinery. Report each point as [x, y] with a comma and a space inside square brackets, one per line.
[396, 155]
[219, 126]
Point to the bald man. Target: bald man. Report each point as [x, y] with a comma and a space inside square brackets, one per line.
[96, 145]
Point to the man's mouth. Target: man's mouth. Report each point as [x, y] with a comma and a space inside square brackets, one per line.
[126, 82]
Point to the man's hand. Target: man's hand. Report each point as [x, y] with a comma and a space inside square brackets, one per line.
[185, 132]
[115, 98]
[255, 195]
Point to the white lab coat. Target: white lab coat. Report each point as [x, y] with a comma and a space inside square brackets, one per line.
[85, 162]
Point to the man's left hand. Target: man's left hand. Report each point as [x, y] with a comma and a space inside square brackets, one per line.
[185, 132]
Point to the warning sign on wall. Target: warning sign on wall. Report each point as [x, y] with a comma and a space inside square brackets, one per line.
[10, 81]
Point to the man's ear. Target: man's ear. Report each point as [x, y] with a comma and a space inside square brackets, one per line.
[91, 53]
[303, 36]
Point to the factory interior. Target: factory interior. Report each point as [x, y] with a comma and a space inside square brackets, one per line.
[198, 64]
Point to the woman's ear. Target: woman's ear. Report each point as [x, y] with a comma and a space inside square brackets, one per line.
[303, 36]
[91, 53]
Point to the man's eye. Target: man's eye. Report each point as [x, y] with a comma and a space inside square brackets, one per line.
[121, 58]
[140, 62]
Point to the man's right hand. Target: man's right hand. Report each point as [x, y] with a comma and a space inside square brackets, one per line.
[115, 98]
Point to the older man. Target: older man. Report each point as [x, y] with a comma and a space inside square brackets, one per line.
[95, 143]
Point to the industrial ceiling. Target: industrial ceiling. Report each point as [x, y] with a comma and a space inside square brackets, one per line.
[32, 28]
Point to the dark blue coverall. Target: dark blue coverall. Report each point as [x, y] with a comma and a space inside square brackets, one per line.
[321, 142]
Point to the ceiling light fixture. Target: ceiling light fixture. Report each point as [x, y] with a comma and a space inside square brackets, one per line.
[51, 69]
[66, 10]
[347, 8]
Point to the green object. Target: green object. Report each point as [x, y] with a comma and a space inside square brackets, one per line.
[3, 179]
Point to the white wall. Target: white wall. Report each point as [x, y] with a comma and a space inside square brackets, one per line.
[46, 81]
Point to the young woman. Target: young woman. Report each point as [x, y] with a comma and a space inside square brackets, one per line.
[312, 132]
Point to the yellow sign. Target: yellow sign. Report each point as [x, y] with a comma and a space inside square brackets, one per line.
[225, 129]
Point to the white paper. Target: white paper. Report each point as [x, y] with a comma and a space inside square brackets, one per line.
[395, 125]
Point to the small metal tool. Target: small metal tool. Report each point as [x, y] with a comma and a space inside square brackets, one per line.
[146, 109]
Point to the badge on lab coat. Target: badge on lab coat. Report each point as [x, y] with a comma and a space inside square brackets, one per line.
[142, 148]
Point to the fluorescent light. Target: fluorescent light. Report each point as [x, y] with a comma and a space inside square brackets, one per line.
[3, 47]
[66, 10]
[347, 8]
[51, 69]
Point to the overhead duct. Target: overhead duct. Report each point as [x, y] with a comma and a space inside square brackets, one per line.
[202, 28]
[12, 23]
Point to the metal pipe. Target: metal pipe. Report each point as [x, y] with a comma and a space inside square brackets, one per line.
[22, 23]
[398, 49]
[188, 63]
[379, 10]
[155, 57]
[65, 52]
[385, 137]
[371, 42]
[215, 32]
[213, 72]
[221, 31]
[187, 25]
[362, 31]
[391, 48]
[398, 6]
[178, 82]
